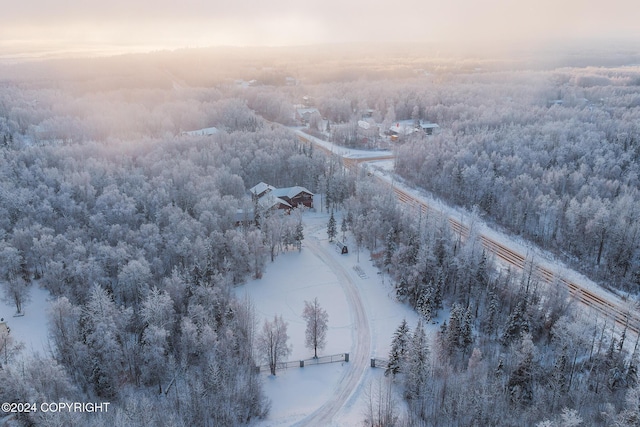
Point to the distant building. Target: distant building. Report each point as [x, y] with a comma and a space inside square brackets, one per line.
[403, 128]
[295, 196]
[304, 114]
[270, 202]
[270, 197]
[408, 127]
[368, 129]
[260, 189]
[429, 128]
[368, 113]
[202, 132]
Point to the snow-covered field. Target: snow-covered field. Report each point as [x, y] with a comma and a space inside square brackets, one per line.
[307, 396]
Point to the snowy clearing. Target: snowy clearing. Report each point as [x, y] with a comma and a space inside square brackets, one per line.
[30, 329]
[330, 394]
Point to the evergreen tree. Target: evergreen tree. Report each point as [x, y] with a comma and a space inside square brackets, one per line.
[517, 323]
[299, 235]
[466, 333]
[331, 228]
[389, 248]
[492, 312]
[453, 335]
[350, 224]
[424, 305]
[417, 367]
[399, 349]
[520, 385]
[482, 275]
[343, 228]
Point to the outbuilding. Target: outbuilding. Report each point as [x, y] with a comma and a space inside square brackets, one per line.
[342, 248]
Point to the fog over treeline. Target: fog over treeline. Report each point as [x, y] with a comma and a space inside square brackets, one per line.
[133, 227]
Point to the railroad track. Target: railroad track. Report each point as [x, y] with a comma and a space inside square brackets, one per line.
[622, 317]
[507, 255]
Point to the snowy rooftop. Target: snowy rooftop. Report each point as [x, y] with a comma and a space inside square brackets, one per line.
[303, 111]
[269, 201]
[202, 132]
[429, 125]
[402, 128]
[289, 192]
[261, 187]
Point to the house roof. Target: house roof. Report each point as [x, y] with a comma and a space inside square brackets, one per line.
[269, 201]
[289, 192]
[429, 125]
[402, 129]
[303, 111]
[260, 188]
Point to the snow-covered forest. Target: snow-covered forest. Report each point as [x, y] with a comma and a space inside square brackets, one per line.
[551, 155]
[140, 231]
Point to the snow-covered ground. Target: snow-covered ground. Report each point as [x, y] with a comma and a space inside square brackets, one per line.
[331, 394]
[30, 329]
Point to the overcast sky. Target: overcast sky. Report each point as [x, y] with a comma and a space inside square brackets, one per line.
[190, 23]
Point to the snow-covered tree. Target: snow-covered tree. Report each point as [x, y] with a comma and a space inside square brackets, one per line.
[316, 331]
[417, 367]
[399, 349]
[9, 348]
[381, 408]
[16, 292]
[299, 235]
[344, 228]
[103, 327]
[331, 228]
[520, 385]
[272, 344]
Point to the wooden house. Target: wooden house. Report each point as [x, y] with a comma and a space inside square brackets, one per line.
[294, 196]
[260, 189]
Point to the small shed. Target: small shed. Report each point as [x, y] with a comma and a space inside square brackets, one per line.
[342, 248]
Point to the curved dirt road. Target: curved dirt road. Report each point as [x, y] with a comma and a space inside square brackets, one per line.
[359, 357]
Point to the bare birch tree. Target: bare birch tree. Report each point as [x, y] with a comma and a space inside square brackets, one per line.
[272, 344]
[316, 333]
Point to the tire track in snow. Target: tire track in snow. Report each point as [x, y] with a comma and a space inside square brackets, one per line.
[358, 359]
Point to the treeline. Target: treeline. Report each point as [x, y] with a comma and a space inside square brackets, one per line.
[564, 176]
[510, 351]
[549, 155]
[139, 241]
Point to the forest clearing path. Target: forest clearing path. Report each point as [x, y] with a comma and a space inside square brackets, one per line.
[358, 361]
